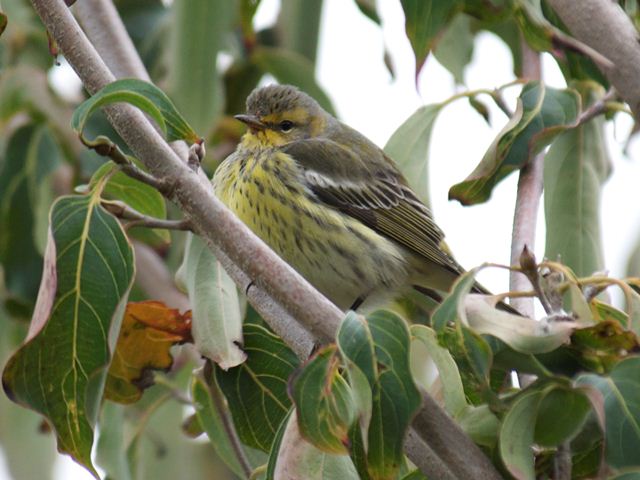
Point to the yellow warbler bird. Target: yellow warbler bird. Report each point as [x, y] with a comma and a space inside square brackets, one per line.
[331, 203]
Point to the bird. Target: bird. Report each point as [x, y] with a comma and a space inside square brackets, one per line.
[332, 204]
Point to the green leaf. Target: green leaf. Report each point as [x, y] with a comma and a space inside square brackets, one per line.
[395, 396]
[111, 451]
[3, 22]
[297, 458]
[143, 95]
[20, 426]
[195, 84]
[542, 113]
[449, 309]
[257, 390]
[517, 435]
[424, 22]
[409, 148]
[324, 406]
[139, 196]
[368, 8]
[298, 27]
[523, 334]
[31, 156]
[481, 424]
[60, 370]
[575, 168]
[621, 393]
[293, 68]
[455, 48]
[275, 446]
[217, 320]
[210, 419]
[425, 346]
[561, 414]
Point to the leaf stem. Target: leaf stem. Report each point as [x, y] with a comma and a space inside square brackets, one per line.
[227, 422]
[125, 212]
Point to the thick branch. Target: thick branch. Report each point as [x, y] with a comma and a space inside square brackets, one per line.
[103, 25]
[606, 28]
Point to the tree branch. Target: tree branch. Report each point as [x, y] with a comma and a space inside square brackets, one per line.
[606, 28]
[305, 314]
[527, 202]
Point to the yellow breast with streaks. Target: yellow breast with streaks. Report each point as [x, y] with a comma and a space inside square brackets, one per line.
[340, 256]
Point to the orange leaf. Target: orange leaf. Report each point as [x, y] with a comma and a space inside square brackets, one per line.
[149, 329]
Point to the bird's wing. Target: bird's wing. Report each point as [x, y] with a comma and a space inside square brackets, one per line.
[373, 191]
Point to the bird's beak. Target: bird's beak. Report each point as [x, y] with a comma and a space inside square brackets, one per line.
[252, 121]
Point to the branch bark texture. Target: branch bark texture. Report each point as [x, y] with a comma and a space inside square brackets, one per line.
[605, 27]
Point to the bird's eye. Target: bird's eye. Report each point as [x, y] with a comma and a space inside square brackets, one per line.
[286, 125]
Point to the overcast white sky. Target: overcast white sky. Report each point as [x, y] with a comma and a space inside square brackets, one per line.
[351, 70]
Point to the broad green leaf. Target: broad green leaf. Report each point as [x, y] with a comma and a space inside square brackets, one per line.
[209, 416]
[324, 406]
[60, 370]
[523, 334]
[161, 451]
[415, 475]
[481, 424]
[111, 452]
[298, 27]
[449, 310]
[409, 148]
[425, 346]
[542, 113]
[20, 426]
[356, 347]
[474, 359]
[257, 390]
[575, 168]
[424, 22]
[139, 196]
[297, 458]
[217, 320]
[275, 447]
[455, 47]
[561, 414]
[621, 393]
[395, 396]
[293, 68]
[29, 159]
[143, 95]
[517, 435]
[195, 84]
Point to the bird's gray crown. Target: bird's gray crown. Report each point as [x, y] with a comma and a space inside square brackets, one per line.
[277, 99]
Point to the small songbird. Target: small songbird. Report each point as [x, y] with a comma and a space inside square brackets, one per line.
[331, 203]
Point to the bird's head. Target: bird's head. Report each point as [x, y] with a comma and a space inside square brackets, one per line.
[281, 114]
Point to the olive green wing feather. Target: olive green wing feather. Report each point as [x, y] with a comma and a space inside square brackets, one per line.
[371, 190]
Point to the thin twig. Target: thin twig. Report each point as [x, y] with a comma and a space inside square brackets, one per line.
[125, 212]
[562, 40]
[562, 462]
[597, 108]
[227, 422]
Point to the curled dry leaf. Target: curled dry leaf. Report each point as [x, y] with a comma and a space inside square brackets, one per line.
[149, 330]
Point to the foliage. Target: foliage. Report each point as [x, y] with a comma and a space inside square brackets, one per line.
[67, 258]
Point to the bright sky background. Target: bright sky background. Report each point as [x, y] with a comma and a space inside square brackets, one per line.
[351, 70]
